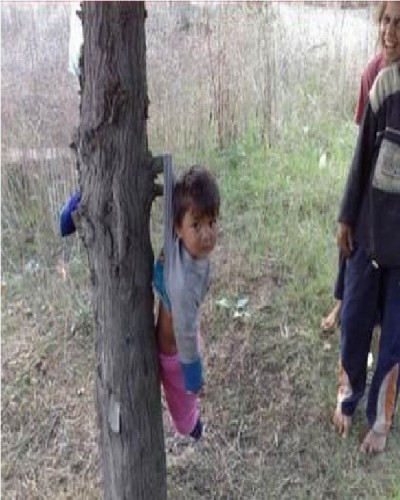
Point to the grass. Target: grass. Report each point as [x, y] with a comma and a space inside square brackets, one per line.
[271, 376]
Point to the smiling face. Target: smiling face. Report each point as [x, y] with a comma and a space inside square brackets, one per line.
[389, 32]
[198, 233]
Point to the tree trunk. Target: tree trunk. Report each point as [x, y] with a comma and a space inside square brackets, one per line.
[117, 184]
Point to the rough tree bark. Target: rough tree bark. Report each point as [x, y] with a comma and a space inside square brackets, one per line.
[117, 184]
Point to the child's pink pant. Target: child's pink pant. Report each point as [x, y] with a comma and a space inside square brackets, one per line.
[182, 405]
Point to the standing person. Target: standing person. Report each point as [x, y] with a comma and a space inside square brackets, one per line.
[388, 54]
[181, 280]
[369, 238]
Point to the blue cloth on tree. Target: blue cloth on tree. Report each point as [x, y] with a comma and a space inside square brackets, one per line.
[67, 225]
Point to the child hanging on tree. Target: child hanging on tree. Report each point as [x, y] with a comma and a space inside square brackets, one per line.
[181, 280]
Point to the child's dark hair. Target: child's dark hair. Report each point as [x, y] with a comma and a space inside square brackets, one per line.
[197, 190]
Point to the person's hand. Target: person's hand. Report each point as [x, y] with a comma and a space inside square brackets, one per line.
[345, 239]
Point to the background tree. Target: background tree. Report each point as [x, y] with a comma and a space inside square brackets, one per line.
[117, 185]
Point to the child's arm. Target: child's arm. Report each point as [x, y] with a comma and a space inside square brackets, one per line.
[186, 326]
[359, 172]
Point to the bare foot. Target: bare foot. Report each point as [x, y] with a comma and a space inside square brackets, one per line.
[331, 321]
[374, 442]
[341, 422]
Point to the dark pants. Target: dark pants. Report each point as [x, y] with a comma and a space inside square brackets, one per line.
[368, 289]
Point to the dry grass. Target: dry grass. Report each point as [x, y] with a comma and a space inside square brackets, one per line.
[270, 381]
[267, 405]
[48, 423]
[270, 393]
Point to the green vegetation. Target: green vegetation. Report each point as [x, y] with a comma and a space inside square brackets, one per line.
[218, 74]
[270, 374]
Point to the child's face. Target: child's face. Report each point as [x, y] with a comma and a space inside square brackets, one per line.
[389, 32]
[198, 233]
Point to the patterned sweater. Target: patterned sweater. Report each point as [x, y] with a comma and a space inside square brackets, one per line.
[371, 202]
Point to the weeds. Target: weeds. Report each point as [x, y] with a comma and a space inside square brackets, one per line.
[271, 372]
[270, 382]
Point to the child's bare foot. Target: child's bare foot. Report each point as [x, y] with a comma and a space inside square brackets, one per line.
[374, 442]
[341, 422]
[331, 321]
